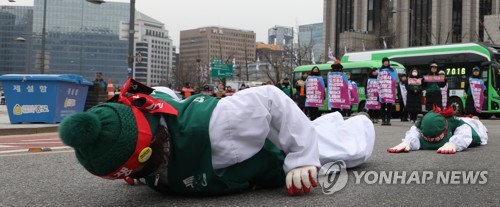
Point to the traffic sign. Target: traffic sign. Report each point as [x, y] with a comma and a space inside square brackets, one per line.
[221, 70]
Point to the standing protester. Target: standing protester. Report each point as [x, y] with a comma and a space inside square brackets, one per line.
[99, 82]
[444, 90]
[353, 93]
[403, 97]
[337, 67]
[372, 100]
[472, 108]
[187, 90]
[300, 86]
[207, 91]
[220, 91]
[285, 86]
[314, 110]
[229, 91]
[414, 98]
[387, 83]
[433, 90]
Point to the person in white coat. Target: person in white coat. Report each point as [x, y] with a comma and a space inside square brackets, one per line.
[238, 129]
[444, 132]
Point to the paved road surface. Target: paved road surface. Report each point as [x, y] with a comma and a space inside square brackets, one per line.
[55, 179]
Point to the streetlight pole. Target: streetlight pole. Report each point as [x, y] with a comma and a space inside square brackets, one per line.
[42, 58]
[131, 32]
[291, 57]
[131, 39]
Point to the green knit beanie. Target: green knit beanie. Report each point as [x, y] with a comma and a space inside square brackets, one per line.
[433, 124]
[104, 137]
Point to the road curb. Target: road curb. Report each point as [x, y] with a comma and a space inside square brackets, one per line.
[24, 131]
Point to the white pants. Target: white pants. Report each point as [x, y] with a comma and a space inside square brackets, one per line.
[241, 123]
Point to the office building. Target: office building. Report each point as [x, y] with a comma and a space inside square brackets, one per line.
[15, 23]
[311, 41]
[199, 46]
[351, 25]
[154, 55]
[281, 35]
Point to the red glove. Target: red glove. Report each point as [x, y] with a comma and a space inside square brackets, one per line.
[403, 147]
[301, 180]
[447, 148]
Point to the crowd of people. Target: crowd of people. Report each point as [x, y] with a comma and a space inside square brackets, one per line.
[382, 90]
[410, 92]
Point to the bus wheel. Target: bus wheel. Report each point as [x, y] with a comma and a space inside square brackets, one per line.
[456, 103]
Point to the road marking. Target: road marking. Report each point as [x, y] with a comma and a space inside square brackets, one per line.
[25, 152]
[31, 140]
[6, 146]
[31, 135]
[19, 143]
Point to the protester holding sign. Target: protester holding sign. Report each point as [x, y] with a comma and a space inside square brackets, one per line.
[207, 91]
[387, 88]
[187, 90]
[338, 89]
[220, 91]
[315, 93]
[475, 93]
[414, 97]
[444, 90]
[402, 96]
[353, 93]
[432, 84]
[372, 101]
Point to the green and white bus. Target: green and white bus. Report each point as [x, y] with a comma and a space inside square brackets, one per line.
[359, 73]
[457, 60]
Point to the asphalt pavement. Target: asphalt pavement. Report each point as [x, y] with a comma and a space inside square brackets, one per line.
[56, 179]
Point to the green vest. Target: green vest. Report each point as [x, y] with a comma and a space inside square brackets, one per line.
[453, 123]
[190, 170]
[432, 86]
[286, 89]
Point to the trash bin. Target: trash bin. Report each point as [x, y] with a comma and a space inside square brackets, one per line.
[43, 98]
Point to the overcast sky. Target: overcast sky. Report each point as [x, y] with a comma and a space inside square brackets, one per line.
[254, 15]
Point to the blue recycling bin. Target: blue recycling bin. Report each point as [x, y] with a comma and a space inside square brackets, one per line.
[43, 98]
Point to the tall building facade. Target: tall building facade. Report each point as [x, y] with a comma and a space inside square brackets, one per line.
[82, 38]
[351, 25]
[281, 35]
[199, 46]
[311, 39]
[154, 54]
[15, 23]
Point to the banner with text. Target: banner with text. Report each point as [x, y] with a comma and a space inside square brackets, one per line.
[434, 78]
[338, 91]
[477, 89]
[387, 86]
[444, 95]
[372, 94]
[353, 92]
[415, 81]
[315, 91]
